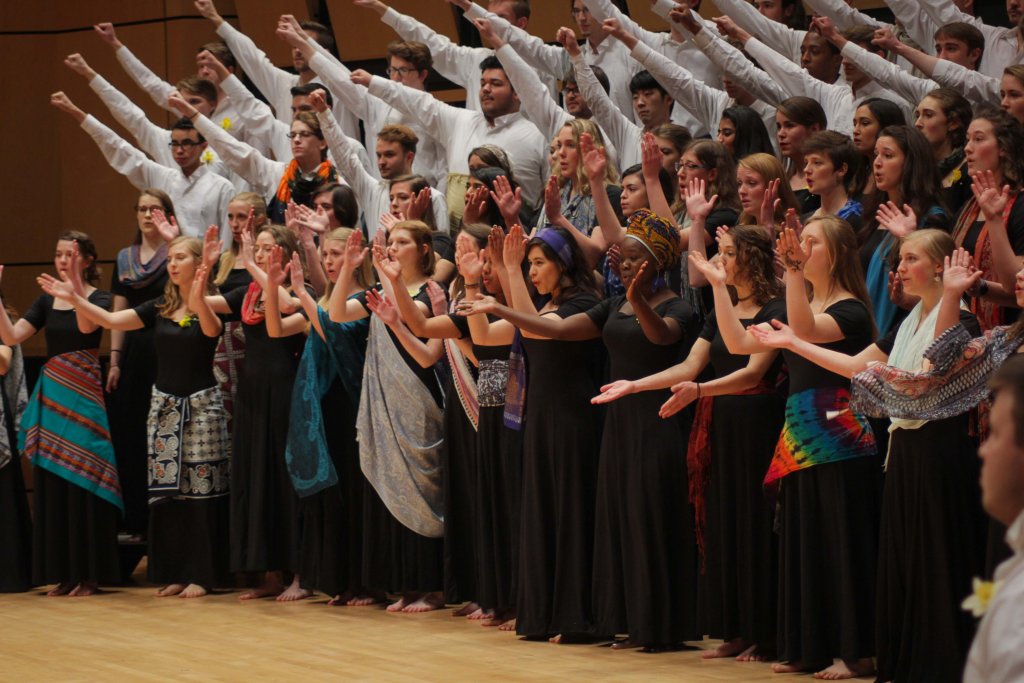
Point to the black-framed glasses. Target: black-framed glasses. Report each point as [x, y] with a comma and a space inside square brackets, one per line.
[183, 144]
[401, 70]
[689, 166]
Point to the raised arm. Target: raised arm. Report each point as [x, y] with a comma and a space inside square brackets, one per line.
[958, 276]
[603, 10]
[885, 73]
[974, 85]
[993, 200]
[780, 38]
[736, 338]
[411, 313]
[62, 289]
[537, 104]
[698, 208]
[733, 62]
[595, 161]
[438, 119]
[687, 371]
[157, 88]
[817, 328]
[209, 323]
[340, 308]
[277, 324]
[344, 150]
[843, 15]
[548, 58]
[783, 337]
[425, 353]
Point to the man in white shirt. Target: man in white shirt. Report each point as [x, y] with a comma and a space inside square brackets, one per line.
[200, 196]
[997, 653]
[459, 130]
[275, 84]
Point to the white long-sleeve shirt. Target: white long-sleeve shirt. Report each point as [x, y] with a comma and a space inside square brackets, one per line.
[679, 52]
[263, 174]
[733, 62]
[461, 130]
[889, 74]
[975, 86]
[200, 200]
[535, 103]
[705, 102]
[375, 114]
[1002, 45]
[779, 37]
[151, 138]
[838, 100]
[611, 56]
[623, 134]
[275, 84]
[997, 653]
[371, 193]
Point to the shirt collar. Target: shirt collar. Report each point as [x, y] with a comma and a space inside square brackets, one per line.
[506, 120]
[1015, 534]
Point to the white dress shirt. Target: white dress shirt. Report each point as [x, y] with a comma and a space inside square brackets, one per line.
[997, 653]
[373, 194]
[623, 134]
[1002, 45]
[200, 200]
[889, 74]
[975, 86]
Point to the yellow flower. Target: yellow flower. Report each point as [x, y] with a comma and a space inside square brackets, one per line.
[207, 157]
[226, 123]
[187, 321]
[978, 602]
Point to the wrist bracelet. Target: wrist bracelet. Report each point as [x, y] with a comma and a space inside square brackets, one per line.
[982, 288]
[115, 350]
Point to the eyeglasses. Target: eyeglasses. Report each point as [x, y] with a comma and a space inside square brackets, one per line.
[301, 134]
[401, 70]
[689, 166]
[183, 144]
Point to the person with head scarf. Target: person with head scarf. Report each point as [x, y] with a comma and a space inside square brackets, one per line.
[643, 558]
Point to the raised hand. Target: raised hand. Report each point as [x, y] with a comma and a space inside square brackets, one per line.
[438, 300]
[64, 103]
[276, 275]
[74, 273]
[567, 37]
[286, 32]
[514, 249]
[650, 156]
[614, 28]
[212, 246]
[640, 283]
[180, 105]
[959, 274]
[355, 253]
[298, 285]
[728, 27]
[291, 218]
[382, 307]
[384, 264]
[698, 207]
[825, 27]
[317, 99]
[897, 295]
[898, 223]
[595, 159]
[206, 59]
[792, 221]
[376, 5]
[167, 227]
[316, 221]
[614, 391]
[614, 255]
[206, 9]
[420, 205]
[387, 222]
[791, 251]
[770, 202]
[361, 77]
[76, 63]
[200, 283]
[488, 34]
[991, 198]
[105, 30]
[469, 261]
[683, 394]
[485, 304]
[476, 204]
[58, 289]
[509, 202]
[780, 336]
[681, 14]
[885, 39]
[714, 270]
[247, 249]
[552, 200]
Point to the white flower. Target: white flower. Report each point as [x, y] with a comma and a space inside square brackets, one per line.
[978, 602]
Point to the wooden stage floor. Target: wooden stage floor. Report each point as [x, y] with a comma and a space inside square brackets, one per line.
[129, 635]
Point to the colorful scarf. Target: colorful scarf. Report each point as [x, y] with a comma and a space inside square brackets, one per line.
[64, 429]
[252, 307]
[819, 429]
[877, 281]
[698, 457]
[339, 358]
[13, 400]
[989, 314]
[296, 187]
[131, 271]
[515, 391]
[189, 446]
[463, 377]
[851, 208]
[912, 339]
[227, 364]
[658, 236]
[400, 434]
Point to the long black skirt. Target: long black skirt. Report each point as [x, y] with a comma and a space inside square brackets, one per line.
[738, 582]
[188, 542]
[645, 559]
[828, 550]
[74, 535]
[459, 464]
[932, 546]
[15, 530]
[498, 490]
[332, 520]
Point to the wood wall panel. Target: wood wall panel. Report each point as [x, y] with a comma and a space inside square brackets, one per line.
[258, 20]
[362, 35]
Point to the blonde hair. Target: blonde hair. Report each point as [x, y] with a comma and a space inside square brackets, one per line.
[172, 300]
[228, 258]
[937, 244]
[364, 276]
[769, 168]
[579, 127]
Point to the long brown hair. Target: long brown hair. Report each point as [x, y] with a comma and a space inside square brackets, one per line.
[769, 168]
[845, 269]
[422, 236]
[86, 250]
[755, 258]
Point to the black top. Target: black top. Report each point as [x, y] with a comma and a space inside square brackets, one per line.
[633, 355]
[967, 319]
[272, 357]
[443, 245]
[855, 323]
[136, 296]
[425, 375]
[61, 327]
[461, 324]
[809, 203]
[184, 354]
[1014, 228]
[725, 363]
[238, 278]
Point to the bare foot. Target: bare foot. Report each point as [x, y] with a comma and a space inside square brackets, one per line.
[500, 617]
[294, 592]
[193, 590]
[843, 669]
[509, 625]
[751, 654]
[363, 601]
[789, 668]
[270, 587]
[168, 591]
[481, 614]
[625, 645]
[466, 610]
[398, 606]
[84, 590]
[61, 589]
[427, 603]
[340, 600]
[730, 648]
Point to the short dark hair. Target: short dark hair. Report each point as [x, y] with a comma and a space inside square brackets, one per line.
[1009, 378]
[967, 34]
[321, 34]
[415, 53]
[220, 50]
[643, 80]
[668, 182]
[521, 8]
[185, 123]
[599, 74]
[840, 151]
[193, 85]
[307, 89]
[491, 62]
[343, 201]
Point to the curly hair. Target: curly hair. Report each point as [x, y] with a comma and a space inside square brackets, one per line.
[755, 259]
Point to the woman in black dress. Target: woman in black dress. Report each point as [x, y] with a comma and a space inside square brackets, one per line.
[738, 419]
[140, 276]
[560, 439]
[189, 448]
[399, 425]
[825, 470]
[74, 542]
[933, 528]
[15, 521]
[265, 524]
